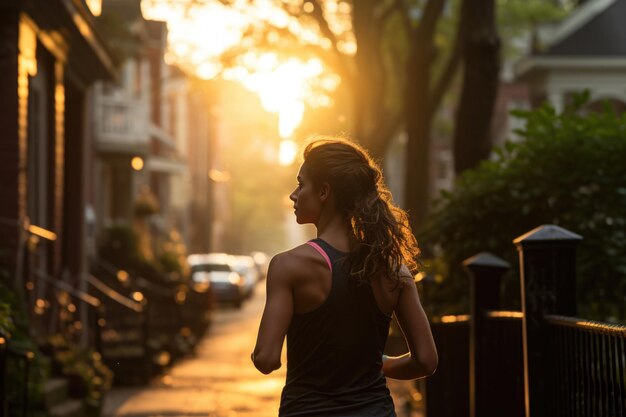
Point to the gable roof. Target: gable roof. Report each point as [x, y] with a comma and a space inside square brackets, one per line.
[595, 29]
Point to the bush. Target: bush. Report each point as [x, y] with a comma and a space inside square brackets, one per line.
[120, 247]
[15, 328]
[89, 378]
[568, 171]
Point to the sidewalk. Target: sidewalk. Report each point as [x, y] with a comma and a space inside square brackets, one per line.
[133, 402]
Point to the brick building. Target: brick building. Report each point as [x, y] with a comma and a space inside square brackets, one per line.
[50, 55]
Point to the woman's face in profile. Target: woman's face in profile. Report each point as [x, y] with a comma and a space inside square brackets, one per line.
[306, 202]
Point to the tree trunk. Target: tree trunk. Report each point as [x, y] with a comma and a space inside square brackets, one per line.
[418, 121]
[371, 83]
[481, 56]
[418, 115]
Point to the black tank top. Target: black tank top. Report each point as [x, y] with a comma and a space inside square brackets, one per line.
[334, 353]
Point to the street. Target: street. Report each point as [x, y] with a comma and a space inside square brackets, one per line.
[219, 380]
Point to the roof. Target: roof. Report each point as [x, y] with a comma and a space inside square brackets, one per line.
[129, 10]
[89, 54]
[594, 29]
[593, 37]
[129, 30]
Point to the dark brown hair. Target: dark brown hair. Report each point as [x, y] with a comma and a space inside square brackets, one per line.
[382, 237]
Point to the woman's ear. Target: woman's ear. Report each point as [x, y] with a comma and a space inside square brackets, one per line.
[324, 191]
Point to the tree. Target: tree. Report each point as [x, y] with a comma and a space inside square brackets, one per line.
[568, 171]
[376, 120]
[481, 76]
[399, 72]
[372, 75]
[420, 105]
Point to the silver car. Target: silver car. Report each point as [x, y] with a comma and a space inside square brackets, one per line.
[228, 285]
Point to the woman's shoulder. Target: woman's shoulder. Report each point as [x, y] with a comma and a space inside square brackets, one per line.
[296, 258]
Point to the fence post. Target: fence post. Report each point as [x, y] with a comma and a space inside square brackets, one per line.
[547, 257]
[485, 273]
[3, 376]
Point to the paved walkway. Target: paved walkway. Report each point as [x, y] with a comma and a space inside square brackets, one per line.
[220, 380]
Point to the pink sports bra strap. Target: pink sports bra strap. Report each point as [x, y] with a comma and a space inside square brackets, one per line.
[321, 251]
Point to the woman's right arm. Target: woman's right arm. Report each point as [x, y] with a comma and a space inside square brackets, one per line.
[421, 361]
[276, 315]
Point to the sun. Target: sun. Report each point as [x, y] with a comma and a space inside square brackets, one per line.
[287, 152]
[199, 35]
[284, 87]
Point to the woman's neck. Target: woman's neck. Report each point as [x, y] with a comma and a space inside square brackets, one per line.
[335, 230]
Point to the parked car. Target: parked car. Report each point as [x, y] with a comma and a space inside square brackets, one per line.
[261, 260]
[246, 267]
[229, 286]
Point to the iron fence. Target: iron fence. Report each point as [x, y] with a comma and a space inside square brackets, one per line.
[14, 394]
[540, 362]
[587, 367]
[447, 391]
[503, 377]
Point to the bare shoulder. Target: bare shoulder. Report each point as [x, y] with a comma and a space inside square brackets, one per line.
[405, 276]
[294, 262]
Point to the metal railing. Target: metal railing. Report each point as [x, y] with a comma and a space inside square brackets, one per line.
[502, 350]
[447, 394]
[587, 367]
[542, 361]
[122, 121]
[14, 397]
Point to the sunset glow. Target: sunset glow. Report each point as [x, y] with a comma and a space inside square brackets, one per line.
[283, 87]
[200, 32]
[287, 152]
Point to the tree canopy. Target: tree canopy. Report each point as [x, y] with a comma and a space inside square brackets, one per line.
[567, 171]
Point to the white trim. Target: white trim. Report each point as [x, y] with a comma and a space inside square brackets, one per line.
[165, 165]
[579, 18]
[162, 135]
[600, 95]
[529, 63]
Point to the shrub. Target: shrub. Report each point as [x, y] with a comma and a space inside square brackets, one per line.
[15, 328]
[569, 171]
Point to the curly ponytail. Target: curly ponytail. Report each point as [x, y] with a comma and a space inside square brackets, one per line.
[382, 237]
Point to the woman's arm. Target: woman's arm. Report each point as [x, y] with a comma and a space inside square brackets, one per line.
[276, 316]
[422, 358]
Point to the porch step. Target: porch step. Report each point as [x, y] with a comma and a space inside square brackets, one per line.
[55, 392]
[69, 408]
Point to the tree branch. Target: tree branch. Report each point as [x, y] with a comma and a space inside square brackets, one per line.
[385, 130]
[430, 18]
[340, 62]
[454, 60]
[318, 15]
[400, 7]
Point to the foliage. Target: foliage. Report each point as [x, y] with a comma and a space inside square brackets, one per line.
[145, 204]
[172, 257]
[519, 20]
[15, 327]
[6, 319]
[89, 377]
[568, 171]
[120, 246]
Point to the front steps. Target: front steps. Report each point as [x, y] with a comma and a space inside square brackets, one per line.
[57, 400]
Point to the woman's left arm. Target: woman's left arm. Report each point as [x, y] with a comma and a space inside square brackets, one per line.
[276, 316]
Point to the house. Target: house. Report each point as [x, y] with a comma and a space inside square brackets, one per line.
[52, 54]
[153, 136]
[586, 51]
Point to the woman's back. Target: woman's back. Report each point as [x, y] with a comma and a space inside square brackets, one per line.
[335, 344]
[337, 323]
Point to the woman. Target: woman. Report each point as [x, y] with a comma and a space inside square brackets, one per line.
[334, 296]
